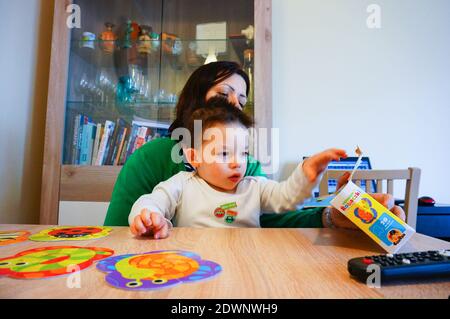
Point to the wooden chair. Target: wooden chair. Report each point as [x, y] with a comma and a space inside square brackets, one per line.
[410, 175]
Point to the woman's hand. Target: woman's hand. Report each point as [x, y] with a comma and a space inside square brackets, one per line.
[316, 164]
[340, 221]
[150, 224]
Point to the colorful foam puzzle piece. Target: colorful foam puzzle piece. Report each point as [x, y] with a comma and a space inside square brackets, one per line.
[9, 237]
[51, 261]
[71, 233]
[157, 269]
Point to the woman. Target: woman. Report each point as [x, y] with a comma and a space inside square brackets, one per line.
[152, 163]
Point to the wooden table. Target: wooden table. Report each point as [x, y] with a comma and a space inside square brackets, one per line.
[257, 263]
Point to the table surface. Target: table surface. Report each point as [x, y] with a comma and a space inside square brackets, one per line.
[257, 263]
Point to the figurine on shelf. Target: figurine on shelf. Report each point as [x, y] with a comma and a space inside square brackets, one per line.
[155, 41]
[135, 31]
[127, 38]
[108, 38]
[145, 44]
[249, 34]
[87, 40]
[249, 69]
[192, 59]
[171, 44]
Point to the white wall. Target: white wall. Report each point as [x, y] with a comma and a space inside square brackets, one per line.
[25, 33]
[337, 83]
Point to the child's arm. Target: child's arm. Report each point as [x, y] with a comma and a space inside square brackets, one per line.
[151, 213]
[279, 197]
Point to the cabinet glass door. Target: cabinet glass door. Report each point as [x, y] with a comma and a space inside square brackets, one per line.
[129, 61]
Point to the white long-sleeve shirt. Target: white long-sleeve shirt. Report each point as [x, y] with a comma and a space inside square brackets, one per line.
[189, 201]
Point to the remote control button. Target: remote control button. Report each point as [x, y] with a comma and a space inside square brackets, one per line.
[437, 258]
[406, 261]
[367, 261]
[390, 256]
[445, 253]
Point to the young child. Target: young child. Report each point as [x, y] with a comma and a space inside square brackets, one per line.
[218, 194]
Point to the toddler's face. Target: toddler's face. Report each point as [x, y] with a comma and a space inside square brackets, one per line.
[224, 156]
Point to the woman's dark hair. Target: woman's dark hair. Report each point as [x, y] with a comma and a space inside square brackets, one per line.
[193, 95]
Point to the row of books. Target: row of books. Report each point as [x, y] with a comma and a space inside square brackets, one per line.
[110, 143]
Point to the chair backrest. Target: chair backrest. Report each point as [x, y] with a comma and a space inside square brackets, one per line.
[410, 175]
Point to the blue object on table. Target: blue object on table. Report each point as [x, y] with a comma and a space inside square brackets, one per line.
[434, 221]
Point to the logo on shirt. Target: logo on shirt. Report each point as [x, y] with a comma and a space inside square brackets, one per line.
[227, 212]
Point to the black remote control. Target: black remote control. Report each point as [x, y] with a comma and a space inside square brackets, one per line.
[433, 263]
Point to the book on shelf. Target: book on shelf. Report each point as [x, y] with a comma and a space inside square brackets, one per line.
[107, 133]
[141, 137]
[111, 143]
[76, 128]
[112, 146]
[98, 134]
[87, 142]
[122, 138]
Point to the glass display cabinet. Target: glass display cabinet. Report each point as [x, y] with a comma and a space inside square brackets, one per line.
[117, 69]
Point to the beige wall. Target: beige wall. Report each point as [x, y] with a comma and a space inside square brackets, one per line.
[25, 32]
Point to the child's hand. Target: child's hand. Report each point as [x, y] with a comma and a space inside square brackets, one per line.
[150, 224]
[316, 164]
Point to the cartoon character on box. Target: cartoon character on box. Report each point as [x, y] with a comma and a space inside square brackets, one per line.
[395, 236]
[365, 212]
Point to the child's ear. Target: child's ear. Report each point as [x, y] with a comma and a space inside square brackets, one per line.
[192, 157]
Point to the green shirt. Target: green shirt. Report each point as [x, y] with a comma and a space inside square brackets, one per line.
[152, 164]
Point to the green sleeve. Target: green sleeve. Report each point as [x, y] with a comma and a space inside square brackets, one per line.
[145, 169]
[303, 218]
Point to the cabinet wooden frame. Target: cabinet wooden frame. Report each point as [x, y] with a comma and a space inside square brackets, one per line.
[94, 183]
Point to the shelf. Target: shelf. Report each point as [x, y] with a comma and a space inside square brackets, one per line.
[88, 183]
[98, 111]
[188, 52]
